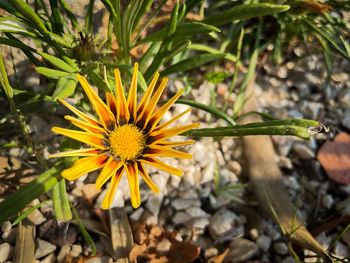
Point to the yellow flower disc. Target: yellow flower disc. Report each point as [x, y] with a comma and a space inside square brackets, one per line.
[127, 142]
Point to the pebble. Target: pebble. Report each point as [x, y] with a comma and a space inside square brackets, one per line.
[272, 232]
[211, 252]
[327, 201]
[344, 98]
[6, 251]
[65, 250]
[195, 211]
[10, 236]
[303, 151]
[180, 218]
[324, 240]
[241, 250]
[6, 226]
[183, 203]
[289, 260]
[103, 259]
[200, 223]
[223, 221]
[49, 259]
[76, 251]
[154, 203]
[346, 238]
[341, 250]
[281, 248]
[254, 233]
[43, 248]
[346, 121]
[227, 177]
[136, 215]
[264, 242]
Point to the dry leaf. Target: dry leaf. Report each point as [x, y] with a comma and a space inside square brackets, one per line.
[219, 258]
[181, 252]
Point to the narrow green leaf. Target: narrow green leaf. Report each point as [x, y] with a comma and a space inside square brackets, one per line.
[16, 43]
[151, 51]
[245, 11]
[65, 87]
[52, 73]
[60, 202]
[56, 17]
[217, 77]
[8, 7]
[88, 17]
[18, 200]
[13, 25]
[183, 31]
[27, 212]
[211, 110]
[211, 50]
[57, 62]
[140, 80]
[146, 4]
[191, 63]
[83, 230]
[296, 127]
[70, 14]
[99, 81]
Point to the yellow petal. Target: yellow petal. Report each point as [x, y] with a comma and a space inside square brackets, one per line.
[175, 144]
[132, 96]
[146, 97]
[147, 112]
[166, 124]
[146, 177]
[103, 112]
[80, 152]
[160, 165]
[77, 112]
[83, 166]
[108, 170]
[156, 150]
[133, 178]
[165, 134]
[122, 108]
[92, 139]
[156, 117]
[85, 125]
[107, 201]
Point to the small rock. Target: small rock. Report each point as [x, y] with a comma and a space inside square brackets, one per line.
[200, 223]
[224, 221]
[335, 158]
[241, 250]
[90, 192]
[10, 236]
[43, 248]
[227, 177]
[327, 201]
[76, 251]
[341, 250]
[49, 259]
[211, 252]
[346, 121]
[136, 215]
[303, 151]
[254, 233]
[346, 238]
[6, 226]
[281, 248]
[196, 212]
[340, 77]
[272, 232]
[289, 260]
[324, 240]
[65, 250]
[154, 203]
[344, 98]
[103, 259]
[6, 251]
[263, 242]
[182, 203]
[180, 218]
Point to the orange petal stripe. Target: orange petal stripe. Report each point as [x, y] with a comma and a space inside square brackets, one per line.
[80, 114]
[132, 96]
[108, 170]
[146, 97]
[80, 152]
[146, 177]
[165, 134]
[83, 166]
[156, 150]
[159, 164]
[103, 112]
[107, 201]
[88, 138]
[166, 124]
[147, 112]
[84, 125]
[133, 178]
[122, 109]
[111, 103]
[156, 117]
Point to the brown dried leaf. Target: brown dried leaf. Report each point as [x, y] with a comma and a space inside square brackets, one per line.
[137, 251]
[219, 258]
[181, 252]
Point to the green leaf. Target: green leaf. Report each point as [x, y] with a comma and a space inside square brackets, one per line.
[216, 77]
[56, 18]
[59, 63]
[16, 43]
[60, 201]
[245, 11]
[212, 50]
[183, 31]
[191, 63]
[13, 25]
[65, 87]
[52, 73]
[27, 212]
[7, 6]
[18, 200]
[70, 14]
[296, 127]
[146, 4]
[88, 17]
[98, 80]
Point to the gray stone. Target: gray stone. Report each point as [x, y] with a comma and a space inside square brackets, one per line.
[49, 259]
[224, 221]
[281, 248]
[303, 151]
[181, 217]
[76, 251]
[182, 203]
[289, 260]
[241, 250]
[346, 238]
[211, 252]
[136, 215]
[65, 250]
[43, 248]
[327, 201]
[154, 203]
[6, 251]
[200, 223]
[10, 236]
[6, 226]
[346, 121]
[264, 242]
[195, 211]
[254, 233]
[344, 98]
[341, 250]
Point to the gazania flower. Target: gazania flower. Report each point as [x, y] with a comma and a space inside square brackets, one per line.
[124, 137]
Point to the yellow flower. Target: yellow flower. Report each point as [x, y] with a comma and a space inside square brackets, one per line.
[124, 138]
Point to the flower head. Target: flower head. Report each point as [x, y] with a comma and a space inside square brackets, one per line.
[124, 137]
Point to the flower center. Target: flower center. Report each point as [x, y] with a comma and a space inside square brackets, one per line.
[127, 142]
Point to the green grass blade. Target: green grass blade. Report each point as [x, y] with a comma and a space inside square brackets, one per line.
[56, 18]
[27, 212]
[57, 62]
[52, 73]
[88, 17]
[65, 87]
[70, 14]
